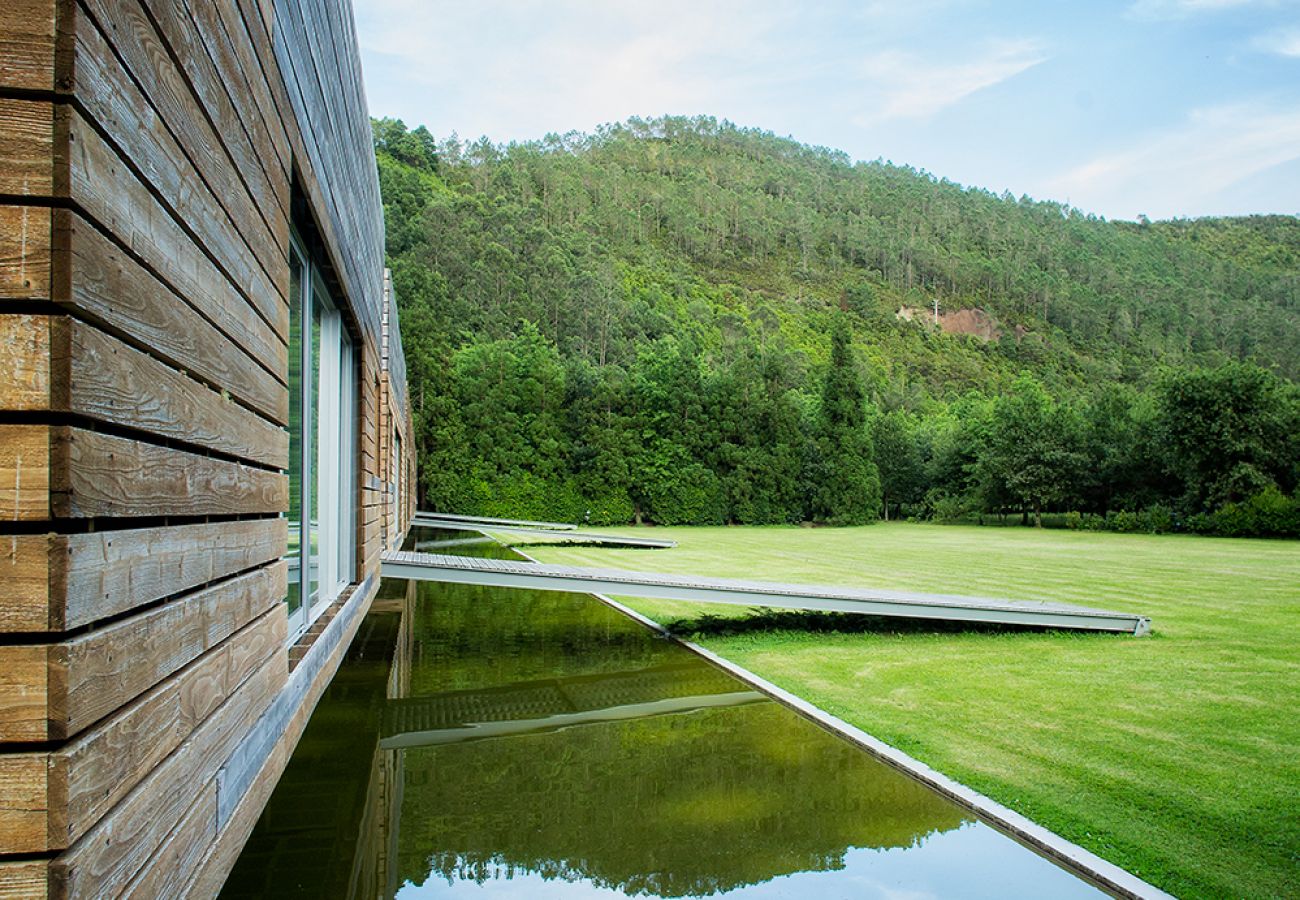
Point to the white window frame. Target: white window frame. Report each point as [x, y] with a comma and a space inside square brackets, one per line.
[334, 559]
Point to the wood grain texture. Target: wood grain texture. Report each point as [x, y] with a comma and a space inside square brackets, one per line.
[58, 582]
[27, 29]
[50, 799]
[163, 874]
[110, 286]
[334, 140]
[212, 76]
[90, 676]
[24, 803]
[105, 860]
[231, 35]
[110, 572]
[156, 123]
[105, 188]
[26, 364]
[25, 581]
[25, 252]
[24, 693]
[112, 382]
[26, 148]
[25, 472]
[130, 30]
[24, 880]
[107, 475]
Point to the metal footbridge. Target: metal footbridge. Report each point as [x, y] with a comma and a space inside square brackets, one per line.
[870, 601]
[450, 520]
[553, 532]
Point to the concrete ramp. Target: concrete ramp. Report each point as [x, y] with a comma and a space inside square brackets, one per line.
[826, 598]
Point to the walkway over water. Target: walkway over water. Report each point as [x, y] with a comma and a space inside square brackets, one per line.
[870, 601]
[567, 537]
[448, 520]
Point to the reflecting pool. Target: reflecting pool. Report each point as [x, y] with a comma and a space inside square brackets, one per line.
[486, 742]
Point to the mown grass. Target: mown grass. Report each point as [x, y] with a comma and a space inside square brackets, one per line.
[1175, 756]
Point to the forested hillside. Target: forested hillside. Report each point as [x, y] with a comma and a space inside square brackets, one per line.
[679, 320]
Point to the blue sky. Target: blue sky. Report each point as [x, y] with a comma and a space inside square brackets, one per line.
[1157, 107]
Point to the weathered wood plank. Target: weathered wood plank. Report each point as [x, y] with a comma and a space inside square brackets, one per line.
[173, 865]
[104, 861]
[56, 364]
[50, 799]
[112, 382]
[169, 141]
[27, 31]
[348, 213]
[25, 252]
[90, 676]
[24, 803]
[113, 288]
[111, 572]
[132, 34]
[71, 472]
[107, 475]
[238, 41]
[110, 194]
[26, 148]
[25, 472]
[24, 693]
[231, 54]
[24, 880]
[26, 364]
[25, 576]
[58, 582]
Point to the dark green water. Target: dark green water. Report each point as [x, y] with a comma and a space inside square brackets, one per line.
[496, 743]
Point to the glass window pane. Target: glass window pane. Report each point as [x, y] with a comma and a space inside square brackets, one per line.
[294, 599]
[346, 424]
[315, 483]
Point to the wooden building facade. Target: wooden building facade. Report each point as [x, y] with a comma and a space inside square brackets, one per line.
[204, 423]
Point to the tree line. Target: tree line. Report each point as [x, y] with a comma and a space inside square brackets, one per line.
[683, 322]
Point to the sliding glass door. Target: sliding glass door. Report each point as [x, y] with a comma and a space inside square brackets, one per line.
[322, 425]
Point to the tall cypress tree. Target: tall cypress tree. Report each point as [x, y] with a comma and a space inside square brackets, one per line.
[844, 483]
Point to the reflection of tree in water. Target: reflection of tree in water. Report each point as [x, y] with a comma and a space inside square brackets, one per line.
[676, 805]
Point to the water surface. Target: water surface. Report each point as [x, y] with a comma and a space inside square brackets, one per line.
[484, 742]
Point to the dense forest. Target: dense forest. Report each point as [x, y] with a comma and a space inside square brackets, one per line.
[683, 321]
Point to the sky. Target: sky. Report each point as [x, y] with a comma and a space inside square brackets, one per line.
[1162, 108]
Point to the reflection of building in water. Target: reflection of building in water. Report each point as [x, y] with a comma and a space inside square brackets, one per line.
[680, 781]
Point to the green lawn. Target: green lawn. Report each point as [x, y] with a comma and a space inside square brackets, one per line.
[1176, 756]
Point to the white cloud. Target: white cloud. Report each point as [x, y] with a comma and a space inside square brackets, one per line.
[913, 87]
[1284, 42]
[542, 66]
[1190, 167]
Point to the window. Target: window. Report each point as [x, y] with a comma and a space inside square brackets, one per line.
[322, 425]
[397, 486]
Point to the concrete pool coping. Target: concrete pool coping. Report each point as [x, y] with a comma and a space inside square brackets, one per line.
[1070, 856]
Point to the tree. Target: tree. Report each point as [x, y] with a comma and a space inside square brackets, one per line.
[902, 479]
[1229, 433]
[1034, 447]
[844, 483]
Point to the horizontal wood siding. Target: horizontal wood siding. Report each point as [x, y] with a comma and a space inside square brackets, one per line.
[150, 151]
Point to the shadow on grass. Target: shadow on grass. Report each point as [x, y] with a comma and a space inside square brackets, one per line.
[760, 620]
